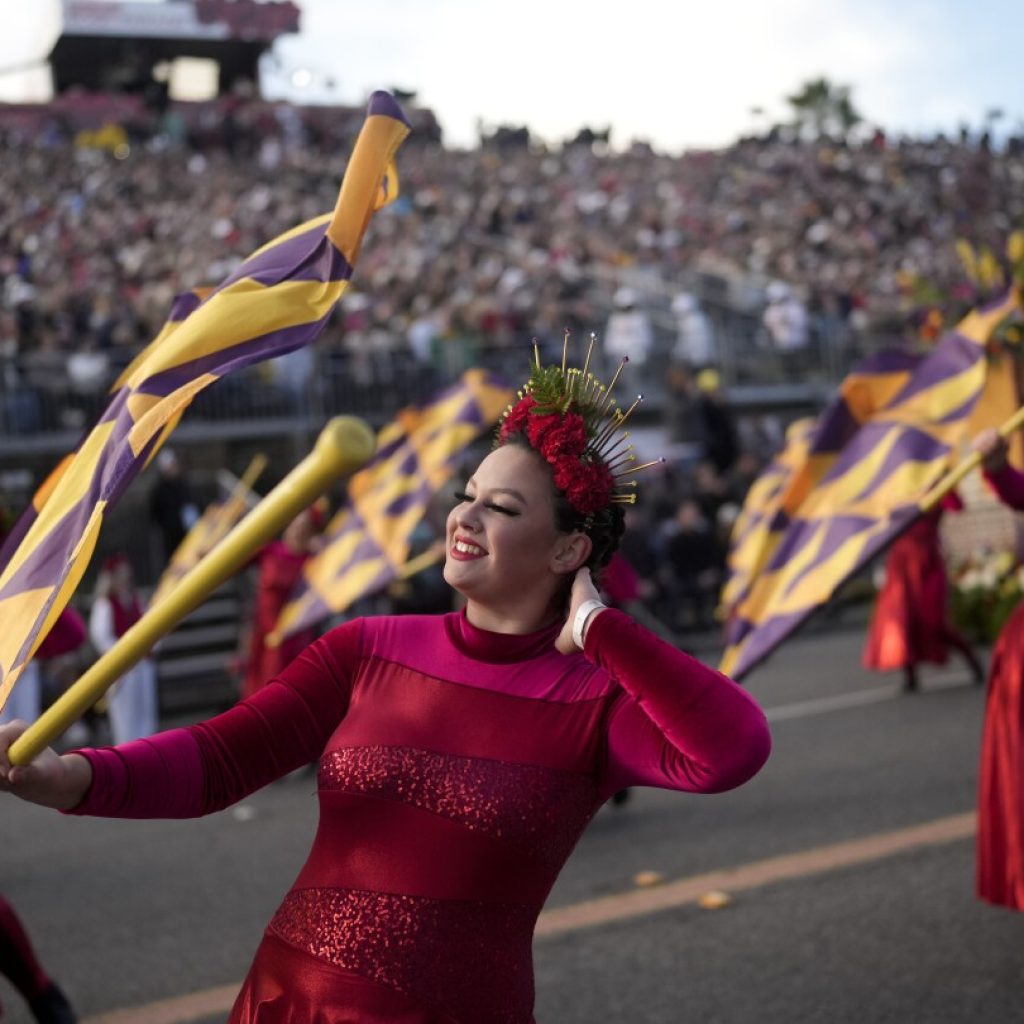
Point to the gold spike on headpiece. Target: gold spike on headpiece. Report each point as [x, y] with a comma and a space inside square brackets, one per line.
[582, 437]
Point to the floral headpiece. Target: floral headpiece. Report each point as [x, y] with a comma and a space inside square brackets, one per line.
[571, 419]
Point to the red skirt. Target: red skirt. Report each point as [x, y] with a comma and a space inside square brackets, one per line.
[910, 623]
[1000, 849]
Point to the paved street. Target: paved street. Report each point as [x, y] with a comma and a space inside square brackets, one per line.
[822, 925]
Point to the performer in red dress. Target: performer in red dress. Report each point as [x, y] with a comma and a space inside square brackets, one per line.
[910, 624]
[461, 755]
[1000, 850]
[280, 567]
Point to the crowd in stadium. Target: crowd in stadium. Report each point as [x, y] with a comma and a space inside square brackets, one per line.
[484, 248]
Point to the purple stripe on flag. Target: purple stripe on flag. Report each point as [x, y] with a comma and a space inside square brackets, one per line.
[911, 444]
[383, 104]
[237, 357]
[366, 549]
[309, 256]
[410, 465]
[760, 639]
[417, 498]
[764, 637]
[183, 305]
[838, 532]
[835, 429]
[952, 355]
[890, 360]
[963, 411]
[797, 534]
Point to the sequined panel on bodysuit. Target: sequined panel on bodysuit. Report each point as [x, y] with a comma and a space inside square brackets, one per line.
[398, 941]
[540, 809]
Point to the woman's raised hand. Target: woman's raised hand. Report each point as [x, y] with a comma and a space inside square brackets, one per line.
[49, 779]
[992, 447]
[583, 590]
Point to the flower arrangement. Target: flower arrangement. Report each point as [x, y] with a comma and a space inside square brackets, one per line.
[985, 590]
[572, 420]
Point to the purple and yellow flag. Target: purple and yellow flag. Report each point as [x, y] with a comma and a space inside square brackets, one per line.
[367, 542]
[754, 526]
[853, 483]
[180, 308]
[276, 301]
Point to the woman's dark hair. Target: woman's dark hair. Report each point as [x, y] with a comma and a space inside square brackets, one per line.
[604, 528]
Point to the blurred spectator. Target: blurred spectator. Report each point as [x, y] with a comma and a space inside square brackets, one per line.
[785, 320]
[628, 332]
[132, 700]
[694, 564]
[171, 506]
[720, 442]
[695, 340]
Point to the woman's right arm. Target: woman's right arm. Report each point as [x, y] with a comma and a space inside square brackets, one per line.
[206, 767]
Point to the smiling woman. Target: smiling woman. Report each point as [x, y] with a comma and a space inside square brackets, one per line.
[461, 756]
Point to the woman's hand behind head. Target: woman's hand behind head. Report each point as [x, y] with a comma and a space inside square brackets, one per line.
[583, 589]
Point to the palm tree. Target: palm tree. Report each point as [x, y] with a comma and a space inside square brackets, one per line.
[822, 108]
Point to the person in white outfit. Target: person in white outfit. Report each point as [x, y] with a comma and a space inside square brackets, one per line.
[628, 331]
[132, 701]
[25, 700]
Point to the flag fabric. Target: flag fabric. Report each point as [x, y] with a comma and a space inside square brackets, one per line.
[367, 542]
[276, 301]
[853, 483]
[753, 529]
[180, 308]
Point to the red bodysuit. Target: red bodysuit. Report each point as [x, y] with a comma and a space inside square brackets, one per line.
[458, 768]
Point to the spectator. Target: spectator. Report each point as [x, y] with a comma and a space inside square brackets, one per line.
[695, 340]
[785, 320]
[720, 442]
[628, 332]
[132, 700]
[171, 506]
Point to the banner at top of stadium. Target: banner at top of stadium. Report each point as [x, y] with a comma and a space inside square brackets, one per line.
[200, 19]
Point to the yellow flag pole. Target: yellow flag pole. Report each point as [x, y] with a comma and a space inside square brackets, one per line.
[344, 445]
[957, 473]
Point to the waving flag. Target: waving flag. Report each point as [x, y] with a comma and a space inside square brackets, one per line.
[181, 307]
[367, 542]
[869, 463]
[276, 301]
[756, 525]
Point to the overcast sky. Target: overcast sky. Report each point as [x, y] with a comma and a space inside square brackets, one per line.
[675, 72]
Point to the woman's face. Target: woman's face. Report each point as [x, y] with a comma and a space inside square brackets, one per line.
[502, 543]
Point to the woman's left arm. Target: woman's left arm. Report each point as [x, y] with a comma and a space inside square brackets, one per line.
[675, 723]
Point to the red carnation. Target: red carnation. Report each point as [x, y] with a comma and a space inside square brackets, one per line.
[569, 440]
[539, 427]
[517, 417]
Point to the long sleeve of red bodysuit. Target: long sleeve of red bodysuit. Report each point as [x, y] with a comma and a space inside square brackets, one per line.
[676, 723]
[188, 772]
[1008, 483]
